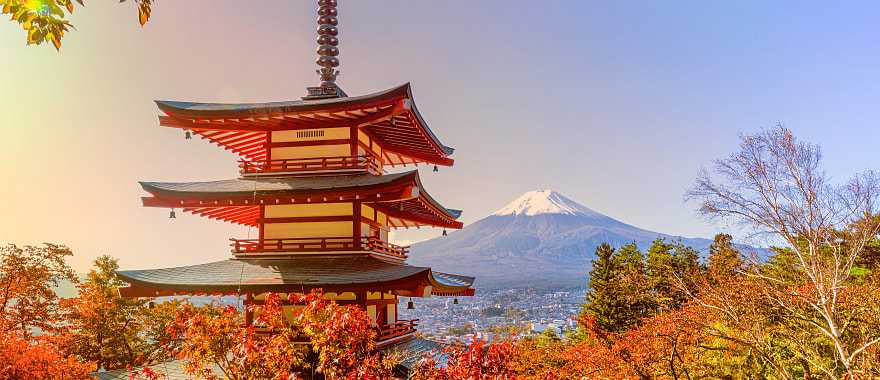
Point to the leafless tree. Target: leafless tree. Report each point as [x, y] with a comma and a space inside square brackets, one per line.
[775, 185]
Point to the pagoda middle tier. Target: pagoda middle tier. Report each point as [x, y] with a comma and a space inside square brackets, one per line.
[336, 214]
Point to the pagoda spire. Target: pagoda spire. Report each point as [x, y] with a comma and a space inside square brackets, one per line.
[328, 52]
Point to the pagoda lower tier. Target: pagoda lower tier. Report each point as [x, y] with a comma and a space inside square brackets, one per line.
[295, 274]
[363, 280]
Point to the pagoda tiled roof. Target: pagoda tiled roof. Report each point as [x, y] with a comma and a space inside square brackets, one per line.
[280, 184]
[385, 115]
[289, 274]
[411, 352]
[191, 195]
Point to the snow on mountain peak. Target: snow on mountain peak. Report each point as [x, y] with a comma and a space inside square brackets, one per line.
[544, 202]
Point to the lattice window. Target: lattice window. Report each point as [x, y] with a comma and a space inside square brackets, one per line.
[309, 133]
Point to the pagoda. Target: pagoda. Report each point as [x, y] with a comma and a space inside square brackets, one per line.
[314, 184]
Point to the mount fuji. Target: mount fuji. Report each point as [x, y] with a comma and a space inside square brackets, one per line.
[541, 239]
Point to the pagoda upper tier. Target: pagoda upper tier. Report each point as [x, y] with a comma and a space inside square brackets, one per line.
[340, 133]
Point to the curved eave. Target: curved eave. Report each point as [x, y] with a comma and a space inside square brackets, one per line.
[278, 187]
[451, 213]
[295, 274]
[424, 210]
[446, 284]
[196, 110]
[399, 195]
[238, 126]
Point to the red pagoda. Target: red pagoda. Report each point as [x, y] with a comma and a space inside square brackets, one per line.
[313, 183]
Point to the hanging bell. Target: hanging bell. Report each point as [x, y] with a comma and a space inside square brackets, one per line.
[455, 301]
[172, 215]
[444, 232]
[436, 169]
[189, 135]
[410, 305]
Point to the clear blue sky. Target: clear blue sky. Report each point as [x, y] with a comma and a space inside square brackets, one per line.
[615, 104]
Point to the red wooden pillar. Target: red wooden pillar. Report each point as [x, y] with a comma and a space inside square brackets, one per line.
[353, 140]
[248, 313]
[357, 225]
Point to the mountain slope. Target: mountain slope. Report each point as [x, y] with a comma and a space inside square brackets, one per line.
[540, 239]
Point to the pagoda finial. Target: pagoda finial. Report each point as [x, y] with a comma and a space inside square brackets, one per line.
[327, 52]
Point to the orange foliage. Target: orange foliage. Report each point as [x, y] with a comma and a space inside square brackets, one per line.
[23, 360]
[27, 275]
[341, 336]
[475, 361]
[660, 347]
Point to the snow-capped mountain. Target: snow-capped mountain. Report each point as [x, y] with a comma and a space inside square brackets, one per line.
[542, 238]
[545, 202]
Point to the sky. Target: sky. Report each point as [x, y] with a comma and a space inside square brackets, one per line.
[614, 104]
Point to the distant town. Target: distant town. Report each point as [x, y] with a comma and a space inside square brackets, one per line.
[527, 311]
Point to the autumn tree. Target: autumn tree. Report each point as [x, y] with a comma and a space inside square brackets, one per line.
[211, 340]
[35, 359]
[476, 361]
[342, 337]
[46, 20]
[28, 274]
[212, 337]
[775, 185]
[29, 309]
[103, 327]
[724, 259]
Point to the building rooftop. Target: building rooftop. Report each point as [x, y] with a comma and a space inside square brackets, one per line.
[290, 274]
[389, 116]
[400, 195]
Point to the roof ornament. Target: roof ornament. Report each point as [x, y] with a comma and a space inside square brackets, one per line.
[327, 52]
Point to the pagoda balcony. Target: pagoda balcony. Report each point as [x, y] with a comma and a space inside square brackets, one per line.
[395, 330]
[368, 164]
[246, 247]
[384, 333]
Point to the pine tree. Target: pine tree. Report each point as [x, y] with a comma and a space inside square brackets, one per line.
[724, 259]
[603, 297]
[633, 285]
[660, 272]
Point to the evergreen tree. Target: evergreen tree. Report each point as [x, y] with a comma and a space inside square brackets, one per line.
[629, 257]
[660, 271]
[603, 296]
[724, 259]
[633, 285]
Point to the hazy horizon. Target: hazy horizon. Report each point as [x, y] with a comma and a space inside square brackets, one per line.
[616, 105]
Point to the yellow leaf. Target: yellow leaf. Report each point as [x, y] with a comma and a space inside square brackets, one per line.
[143, 16]
[56, 40]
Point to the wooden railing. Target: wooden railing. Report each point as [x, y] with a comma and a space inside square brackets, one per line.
[383, 332]
[364, 163]
[372, 244]
[397, 329]
[381, 246]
